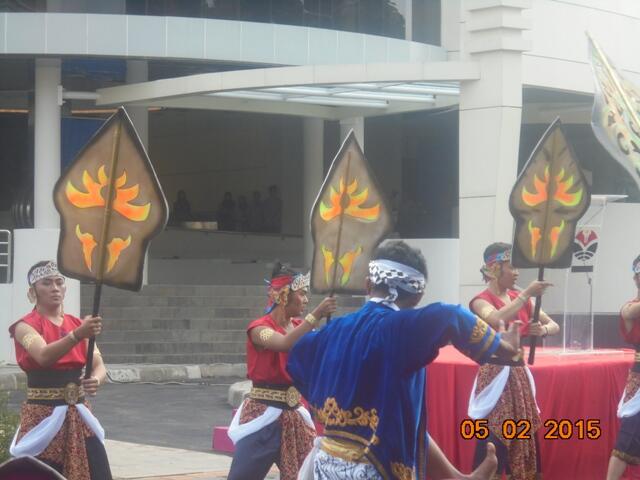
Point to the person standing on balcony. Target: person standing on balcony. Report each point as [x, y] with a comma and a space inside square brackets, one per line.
[627, 448]
[504, 389]
[271, 426]
[273, 211]
[56, 424]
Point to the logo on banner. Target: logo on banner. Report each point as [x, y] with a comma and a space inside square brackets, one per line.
[585, 246]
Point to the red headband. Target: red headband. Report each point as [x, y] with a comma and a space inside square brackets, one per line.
[279, 282]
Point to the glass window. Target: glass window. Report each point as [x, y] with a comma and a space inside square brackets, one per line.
[345, 15]
[255, 10]
[425, 21]
[222, 9]
[287, 12]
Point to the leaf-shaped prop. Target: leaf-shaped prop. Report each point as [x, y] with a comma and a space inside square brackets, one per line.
[548, 199]
[616, 110]
[349, 219]
[111, 205]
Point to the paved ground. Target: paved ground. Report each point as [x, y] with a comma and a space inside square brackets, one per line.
[163, 431]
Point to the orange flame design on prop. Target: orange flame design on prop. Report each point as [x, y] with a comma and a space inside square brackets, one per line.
[93, 195]
[88, 244]
[115, 248]
[328, 261]
[562, 194]
[554, 237]
[353, 209]
[346, 262]
[535, 237]
[533, 199]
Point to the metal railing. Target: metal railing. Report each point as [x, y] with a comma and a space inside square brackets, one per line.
[5, 256]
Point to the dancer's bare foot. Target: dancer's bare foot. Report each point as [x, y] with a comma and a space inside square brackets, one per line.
[487, 468]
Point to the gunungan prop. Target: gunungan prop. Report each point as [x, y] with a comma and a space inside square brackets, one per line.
[111, 205]
[548, 199]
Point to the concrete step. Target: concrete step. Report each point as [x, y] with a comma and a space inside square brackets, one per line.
[182, 301]
[143, 313]
[138, 336]
[182, 323]
[207, 324]
[170, 348]
[180, 290]
[246, 301]
[190, 359]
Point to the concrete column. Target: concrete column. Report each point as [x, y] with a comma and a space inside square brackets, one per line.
[490, 117]
[47, 141]
[41, 242]
[355, 123]
[137, 71]
[313, 175]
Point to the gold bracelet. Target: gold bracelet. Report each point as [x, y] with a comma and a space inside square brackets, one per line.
[73, 337]
[523, 299]
[311, 320]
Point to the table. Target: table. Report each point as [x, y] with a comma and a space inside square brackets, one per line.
[573, 387]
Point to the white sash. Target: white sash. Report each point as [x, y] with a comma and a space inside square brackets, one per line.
[237, 431]
[480, 405]
[39, 437]
[630, 407]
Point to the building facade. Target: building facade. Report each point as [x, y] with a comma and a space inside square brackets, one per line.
[447, 98]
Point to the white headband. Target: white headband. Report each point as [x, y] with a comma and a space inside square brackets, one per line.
[50, 269]
[301, 281]
[396, 275]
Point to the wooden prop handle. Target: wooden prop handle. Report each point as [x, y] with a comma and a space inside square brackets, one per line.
[331, 294]
[533, 340]
[92, 341]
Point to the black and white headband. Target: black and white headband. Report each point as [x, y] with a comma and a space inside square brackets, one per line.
[396, 275]
[50, 269]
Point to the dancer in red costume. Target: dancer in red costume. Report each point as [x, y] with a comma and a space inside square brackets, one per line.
[272, 426]
[56, 425]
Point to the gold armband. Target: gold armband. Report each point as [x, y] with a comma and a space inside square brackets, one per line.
[311, 320]
[486, 311]
[266, 334]
[28, 340]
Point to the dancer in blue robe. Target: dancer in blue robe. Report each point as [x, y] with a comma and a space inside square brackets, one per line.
[364, 375]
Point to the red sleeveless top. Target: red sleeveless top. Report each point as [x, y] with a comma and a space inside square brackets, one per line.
[74, 358]
[268, 366]
[524, 314]
[632, 337]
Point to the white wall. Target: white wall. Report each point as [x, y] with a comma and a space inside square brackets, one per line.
[559, 55]
[442, 265]
[6, 344]
[613, 283]
[31, 246]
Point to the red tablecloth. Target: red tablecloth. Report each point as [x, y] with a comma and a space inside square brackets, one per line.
[569, 387]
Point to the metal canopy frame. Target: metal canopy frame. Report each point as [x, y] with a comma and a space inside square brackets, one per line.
[331, 92]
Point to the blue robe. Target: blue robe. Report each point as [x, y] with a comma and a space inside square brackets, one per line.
[364, 376]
